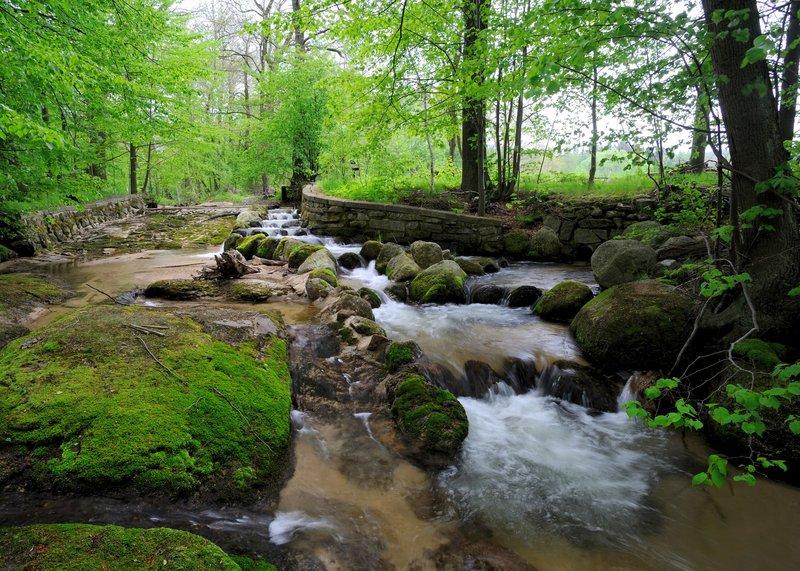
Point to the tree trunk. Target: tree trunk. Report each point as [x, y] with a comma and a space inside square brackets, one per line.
[132, 168]
[299, 41]
[697, 157]
[473, 125]
[788, 110]
[147, 167]
[593, 149]
[771, 257]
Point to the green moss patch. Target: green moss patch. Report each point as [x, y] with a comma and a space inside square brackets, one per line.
[87, 406]
[761, 354]
[563, 301]
[80, 547]
[21, 289]
[325, 274]
[249, 245]
[299, 253]
[399, 354]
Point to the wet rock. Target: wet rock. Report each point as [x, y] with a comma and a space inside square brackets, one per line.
[400, 353]
[545, 245]
[682, 247]
[516, 243]
[402, 268]
[294, 251]
[325, 274]
[350, 261]
[621, 261]
[300, 254]
[371, 296]
[470, 267]
[249, 218]
[249, 290]
[426, 254]
[638, 325]
[488, 293]
[376, 342]
[447, 255]
[321, 259]
[479, 377]
[397, 292]
[489, 265]
[520, 374]
[581, 385]
[266, 248]
[524, 296]
[232, 241]
[388, 251]
[563, 301]
[364, 326]
[370, 250]
[440, 283]
[317, 288]
[182, 289]
[349, 301]
[431, 419]
[247, 246]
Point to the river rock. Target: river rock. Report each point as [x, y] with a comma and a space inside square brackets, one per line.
[248, 245]
[581, 385]
[363, 326]
[402, 268]
[489, 265]
[320, 259]
[621, 261]
[400, 353]
[370, 250]
[350, 261]
[254, 291]
[545, 245]
[266, 248]
[182, 289]
[350, 302]
[388, 251]
[488, 293]
[520, 374]
[440, 283]
[426, 254]
[637, 325]
[397, 292]
[249, 218]
[480, 377]
[232, 241]
[682, 247]
[470, 267]
[431, 419]
[371, 296]
[563, 301]
[648, 232]
[524, 296]
[516, 243]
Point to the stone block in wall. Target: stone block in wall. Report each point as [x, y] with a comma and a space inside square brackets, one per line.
[552, 222]
[589, 236]
[595, 223]
[566, 230]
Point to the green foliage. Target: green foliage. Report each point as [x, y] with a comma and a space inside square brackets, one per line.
[716, 283]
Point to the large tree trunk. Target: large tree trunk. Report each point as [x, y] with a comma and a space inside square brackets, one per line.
[473, 124]
[788, 110]
[132, 166]
[697, 156]
[771, 257]
[299, 41]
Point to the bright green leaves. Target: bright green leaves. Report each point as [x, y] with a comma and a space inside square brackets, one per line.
[761, 47]
[715, 283]
[661, 385]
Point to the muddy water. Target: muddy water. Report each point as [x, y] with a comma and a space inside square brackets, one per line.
[562, 488]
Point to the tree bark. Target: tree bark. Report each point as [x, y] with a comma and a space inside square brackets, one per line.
[132, 168]
[771, 257]
[473, 125]
[697, 157]
[593, 148]
[788, 109]
[299, 41]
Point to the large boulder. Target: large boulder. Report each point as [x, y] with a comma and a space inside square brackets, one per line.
[388, 251]
[545, 244]
[371, 296]
[232, 241]
[266, 248]
[350, 261]
[317, 288]
[248, 245]
[621, 261]
[523, 296]
[321, 259]
[490, 294]
[182, 289]
[402, 268]
[426, 254]
[648, 232]
[682, 247]
[489, 265]
[249, 218]
[440, 283]
[638, 325]
[516, 243]
[294, 251]
[371, 249]
[348, 304]
[563, 301]
[470, 267]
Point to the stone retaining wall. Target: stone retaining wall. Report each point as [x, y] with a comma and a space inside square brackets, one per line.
[358, 220]
[42, 230]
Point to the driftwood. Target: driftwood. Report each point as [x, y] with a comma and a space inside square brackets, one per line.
[229, 264]
[268, 262]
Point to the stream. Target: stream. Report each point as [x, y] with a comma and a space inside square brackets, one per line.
[557, 486]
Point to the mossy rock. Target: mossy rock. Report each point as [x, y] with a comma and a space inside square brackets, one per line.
[370, 296]
[402, 268]
[761, 354]
[249, 245]
[299, 254]
[370, 250]
[563, 301]
[253, 291]
[232, 241]
[388, 251]
[516, 243]
[266, 249]
[90, 404]
[352, 303]
[545, 245]
[6, 253]
[425, 254]
[182, 289]
[325, 274]
[24, 289]
[638, 325]
[78, 547]
[620, 261]
[440, 283]
[431, 418]
[204, 232]
[350, 261]
[10, 331]
[489, 265]
[399, 354]
[364, 326]
[317, 260]
[470, 267]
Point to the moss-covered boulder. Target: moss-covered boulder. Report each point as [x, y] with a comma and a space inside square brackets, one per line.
[489, 265]
[401, 353]
[320, 259]
[317, 288]
[523, 296]
[516, 243]
[254, 291]
[761, 354]
[440, 283]
[363, 326]
[92, 404]
[232, 241]
[545, 245]
[470, 267]
[370, 250]
[350, 261]
[388, 251]
[348, 304]
[431, 419]
[620, 261]
[182, 289]
[402, 268]
[638, 325]
[250, 217]
[6, 253]
[563, 301]
[248, 246]
[299, 254]
[370, 296]
[78, 547]
[266, 248]
[325, 274]
[397, 292]
[426, 254]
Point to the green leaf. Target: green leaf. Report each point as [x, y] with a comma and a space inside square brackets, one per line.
[699, 478]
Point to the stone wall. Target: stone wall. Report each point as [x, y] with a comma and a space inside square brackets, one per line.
[359, 220]
[42, 230]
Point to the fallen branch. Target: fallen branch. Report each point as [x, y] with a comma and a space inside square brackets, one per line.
[219, 393]
[144, 329]
[173, 373]
[105, 294]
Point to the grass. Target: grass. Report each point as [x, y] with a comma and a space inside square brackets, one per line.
[87, 407]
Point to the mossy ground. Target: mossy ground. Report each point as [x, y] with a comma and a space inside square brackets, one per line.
[86, 407]
[20, 293]
[430, 416]
[397, 355]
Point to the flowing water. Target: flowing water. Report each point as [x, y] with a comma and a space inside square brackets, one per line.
[557, 485]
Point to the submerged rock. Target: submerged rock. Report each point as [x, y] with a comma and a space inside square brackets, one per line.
[581, 385]
[638, 325]
[402, 268]
[388, 251]
[620, 261]
[370, 250]
[426, 254]
[523, 296]
[440, 283]
[563, 301]
[479, 377]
